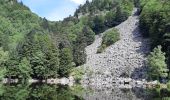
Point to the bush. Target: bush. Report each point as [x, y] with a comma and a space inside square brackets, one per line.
[101, 48]
[77, 73]
[109, 38]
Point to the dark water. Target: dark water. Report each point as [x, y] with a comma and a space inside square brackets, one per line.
[58, 92]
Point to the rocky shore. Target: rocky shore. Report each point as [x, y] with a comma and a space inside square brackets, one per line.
[62, 81]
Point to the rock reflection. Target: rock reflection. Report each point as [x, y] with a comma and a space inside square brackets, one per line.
[116, 93]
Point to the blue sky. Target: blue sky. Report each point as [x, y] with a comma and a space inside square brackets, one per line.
[53, 10]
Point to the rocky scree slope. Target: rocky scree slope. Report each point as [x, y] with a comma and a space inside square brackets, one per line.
[126, 58]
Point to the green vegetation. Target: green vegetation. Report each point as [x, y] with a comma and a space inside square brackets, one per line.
[103, 14]
[78, 73]
[157, 65]
[33, 47]
[109, 38]
[3, 58]
[155, 24]
[40, 92]
[66, 62]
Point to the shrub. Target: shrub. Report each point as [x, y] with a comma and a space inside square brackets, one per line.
[101, 48]
[110, 37]
[77, 73]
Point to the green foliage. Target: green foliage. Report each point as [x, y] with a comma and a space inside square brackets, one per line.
[25, 69]
[168, 85]
[157, 65]
[154, 23]
[109, 38]
[74, 35]
[98, 24]
[3, 58]
[42, 49]
[110, 17]
[89, 34]
[43, 92]
[79, 91]
[154, 20]
[101, 48]
[137, 3]
[79, 50]
[17, 92]
[66, 59]
[120, 15]
[42, 54]
[103, 14]
[77, 73]
[40, 92]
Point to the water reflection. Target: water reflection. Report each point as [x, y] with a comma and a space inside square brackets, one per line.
[38, 92]
[129, 94]
[77, 92]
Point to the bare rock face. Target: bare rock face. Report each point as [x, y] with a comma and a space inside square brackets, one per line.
[125, 58]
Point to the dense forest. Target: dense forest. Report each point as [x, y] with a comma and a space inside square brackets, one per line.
[33, 47]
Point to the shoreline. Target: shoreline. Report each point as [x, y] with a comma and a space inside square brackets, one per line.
[63, 81]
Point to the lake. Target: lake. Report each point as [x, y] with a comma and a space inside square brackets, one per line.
[77, 92]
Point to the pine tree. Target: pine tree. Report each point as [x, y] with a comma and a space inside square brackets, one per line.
[89, 34]
[25, 69]
[66, 60]
[157, 65]
[98, 24]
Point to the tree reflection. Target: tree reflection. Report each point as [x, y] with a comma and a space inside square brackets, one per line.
[14, 92]
[58, 92]
[37, 92]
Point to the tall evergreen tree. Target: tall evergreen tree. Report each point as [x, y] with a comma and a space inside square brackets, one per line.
[66, 60]
[157, 65]
[89, 34]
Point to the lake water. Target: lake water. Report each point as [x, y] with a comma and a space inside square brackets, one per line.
[77, 92]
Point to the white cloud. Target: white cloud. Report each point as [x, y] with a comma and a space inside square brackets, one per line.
[79, 1]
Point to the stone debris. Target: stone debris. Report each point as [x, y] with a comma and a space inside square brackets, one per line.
[126, 58]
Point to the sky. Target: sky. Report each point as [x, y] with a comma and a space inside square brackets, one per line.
[53, 10]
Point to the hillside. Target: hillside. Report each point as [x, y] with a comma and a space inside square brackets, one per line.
[125, 58]
[33, 47]
[115, 49]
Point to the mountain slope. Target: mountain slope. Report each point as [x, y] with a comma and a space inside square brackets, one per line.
[124, 58]
[38, 48]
